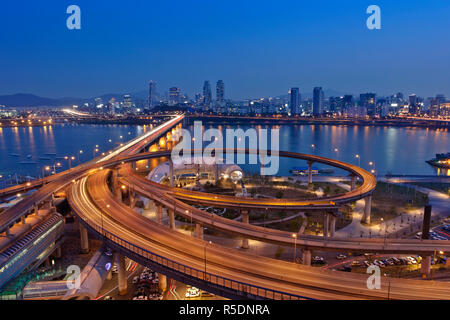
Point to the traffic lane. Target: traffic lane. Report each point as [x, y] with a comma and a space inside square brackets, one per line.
[283, 237]
[193, 259]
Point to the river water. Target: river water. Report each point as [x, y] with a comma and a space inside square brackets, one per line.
[397, 150]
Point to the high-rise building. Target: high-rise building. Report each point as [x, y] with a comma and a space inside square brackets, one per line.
[220, 91]
[127, 101]
[207, 96]
[414, 107]
[151, 94]
[368, 101]
[317, 101]
[174, 96]
[294, 101]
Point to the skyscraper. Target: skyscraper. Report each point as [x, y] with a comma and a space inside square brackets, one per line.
[206, 96]
[174, 96]
[220, 91]
[317, 101]
[294, 100]
[368, 101]
[151, 94]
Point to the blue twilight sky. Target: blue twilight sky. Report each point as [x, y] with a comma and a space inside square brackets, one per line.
[259, 48]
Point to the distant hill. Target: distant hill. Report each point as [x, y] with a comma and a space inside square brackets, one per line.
[30, 100]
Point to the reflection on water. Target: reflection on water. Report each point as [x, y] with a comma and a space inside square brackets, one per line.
[393, 150]
[390, 149]
[26, 150]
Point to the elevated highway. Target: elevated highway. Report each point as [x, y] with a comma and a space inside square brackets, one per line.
[225, 271]
[365, 189]
[58, 182]
[221, 269]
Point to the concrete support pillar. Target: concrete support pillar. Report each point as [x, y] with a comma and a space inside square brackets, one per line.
[171, 173]
[162, 282]
[326, 223]
[171, 219]
[58, 252]
[425, 268]
[84, 239]
[306, 257]
[353, 185]
[245, 219]
[122, 274]
[310, 163]
[332, 226]
[36, 209]
[367, 209]
[23, 218]
[132, 199]
[109, 275]
[118, 193]
[8, 232]
[159, 212]
[47, 262]
[198, 231]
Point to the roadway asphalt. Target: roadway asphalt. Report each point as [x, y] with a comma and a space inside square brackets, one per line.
[94, 203]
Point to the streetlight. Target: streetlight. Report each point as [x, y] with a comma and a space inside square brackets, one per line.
[359, 160]
[337, 152]
[313, 148]
[46, 168]
[295, 246]
[81, 152]
[187, 212]
[70, 160]
[206, 244]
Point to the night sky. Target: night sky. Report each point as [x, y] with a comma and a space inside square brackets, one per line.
[259, 48]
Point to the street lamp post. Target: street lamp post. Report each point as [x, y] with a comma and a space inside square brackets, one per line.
[70, 160]
[46, 168]
[206, 244]
[295, 246]
[359, 160]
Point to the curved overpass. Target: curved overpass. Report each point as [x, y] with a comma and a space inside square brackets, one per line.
[152, 191]
[367, 187]
[221, 269]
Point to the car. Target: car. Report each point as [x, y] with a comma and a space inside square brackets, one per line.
[366, 263]
[135, 280]
[379, 263]
[341, 257]
[389, 262]
[206, 294]
[155, 296]
[108, 298]
[356, 263]
[192, 292]
[318, 260]
[413, 261]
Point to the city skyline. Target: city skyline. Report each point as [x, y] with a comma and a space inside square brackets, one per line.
[267, 54]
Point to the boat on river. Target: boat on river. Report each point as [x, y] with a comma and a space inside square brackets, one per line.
[442, 160]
